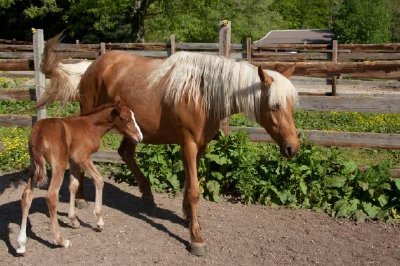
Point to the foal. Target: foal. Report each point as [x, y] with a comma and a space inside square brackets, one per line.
[57, 140]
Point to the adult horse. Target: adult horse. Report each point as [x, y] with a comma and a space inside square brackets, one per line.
[181, 100]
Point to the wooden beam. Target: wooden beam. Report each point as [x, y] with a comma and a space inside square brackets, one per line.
[320, 69]
[16, 64]
[16, 121]
[17, 94]
[334, 138]
[358, 103]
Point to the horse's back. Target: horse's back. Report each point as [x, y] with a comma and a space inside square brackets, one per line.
[111, 74]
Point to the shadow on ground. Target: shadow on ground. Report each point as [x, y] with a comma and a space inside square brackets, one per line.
[113, 197]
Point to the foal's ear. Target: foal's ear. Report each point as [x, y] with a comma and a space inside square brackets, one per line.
[115, 112]
[289, 72]
[264, 77]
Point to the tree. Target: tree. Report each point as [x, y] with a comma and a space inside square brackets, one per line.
[363, 21]
[305, 14]
[198, 20]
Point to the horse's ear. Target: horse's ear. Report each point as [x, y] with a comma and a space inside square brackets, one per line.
[289, 72]
[264, 77]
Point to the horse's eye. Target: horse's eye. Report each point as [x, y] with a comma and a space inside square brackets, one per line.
[275, 107]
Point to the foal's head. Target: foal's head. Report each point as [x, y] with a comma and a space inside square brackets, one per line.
[278, 98]
[124, 121]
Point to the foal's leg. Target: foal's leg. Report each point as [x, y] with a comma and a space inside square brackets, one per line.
[91, 169]
[52, 202]
[73, 187]
[190, 151]
[26, 202]
[80, 201]
[127, 152]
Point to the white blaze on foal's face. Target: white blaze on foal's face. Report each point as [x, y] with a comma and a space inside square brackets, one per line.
[137, 127]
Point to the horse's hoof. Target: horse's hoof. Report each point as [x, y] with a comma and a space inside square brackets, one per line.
[81, 203]
[149, 201]
[67, 244]
[21, 250]
[99, 228]
[198, 249]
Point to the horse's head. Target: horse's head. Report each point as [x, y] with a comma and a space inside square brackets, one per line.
[124, 121]
[278, 98]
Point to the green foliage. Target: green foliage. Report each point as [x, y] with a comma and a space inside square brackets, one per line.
[15, 153]
[308, 14]
[257, 173]
[363, 21]
[197, 21]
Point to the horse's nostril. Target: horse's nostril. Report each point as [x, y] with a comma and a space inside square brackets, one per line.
[289, 151]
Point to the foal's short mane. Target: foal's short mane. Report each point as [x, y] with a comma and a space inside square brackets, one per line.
[221, 84]
[100, 108]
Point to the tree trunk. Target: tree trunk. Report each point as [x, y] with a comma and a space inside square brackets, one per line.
[137, 15]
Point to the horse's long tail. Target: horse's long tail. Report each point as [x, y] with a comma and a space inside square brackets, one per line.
[64, 78]
[37, 170]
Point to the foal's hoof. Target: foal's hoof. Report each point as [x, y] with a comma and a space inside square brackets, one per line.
[67, 244]
[81, 203]
[75, 224]
[198, 249]
[21, 250]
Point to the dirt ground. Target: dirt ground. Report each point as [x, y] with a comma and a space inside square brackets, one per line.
[136, 234]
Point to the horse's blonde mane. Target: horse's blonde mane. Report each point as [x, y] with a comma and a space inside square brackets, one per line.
[223, 85]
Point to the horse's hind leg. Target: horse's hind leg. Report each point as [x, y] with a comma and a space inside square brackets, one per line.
[52, 202]
[127, 152]
[73, 187]
[26, 202]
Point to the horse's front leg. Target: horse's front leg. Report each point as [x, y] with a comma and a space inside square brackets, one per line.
[91, 169]
[73, 188]
[190, 151]
[127, 152]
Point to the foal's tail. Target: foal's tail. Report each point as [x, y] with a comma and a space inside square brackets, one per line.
[64, 78]
[37, 170]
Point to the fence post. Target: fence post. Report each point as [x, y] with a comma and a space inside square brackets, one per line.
[334, 59]
[224, 50]
[40, 78]
[102, 48]
[172, 43]
[248, 50]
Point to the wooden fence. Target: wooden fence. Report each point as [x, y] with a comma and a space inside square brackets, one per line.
[334, 70]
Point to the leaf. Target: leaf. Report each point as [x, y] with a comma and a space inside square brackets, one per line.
[382, 200]
[335, 181]
[360, 216]
[303, 186]
[349, 167]
[397, 183]
[370, 209]
[342, 208]
[213, 188]
[364, 185]
[282, 196]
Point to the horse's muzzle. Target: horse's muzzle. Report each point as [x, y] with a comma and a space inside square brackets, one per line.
[288, 150]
